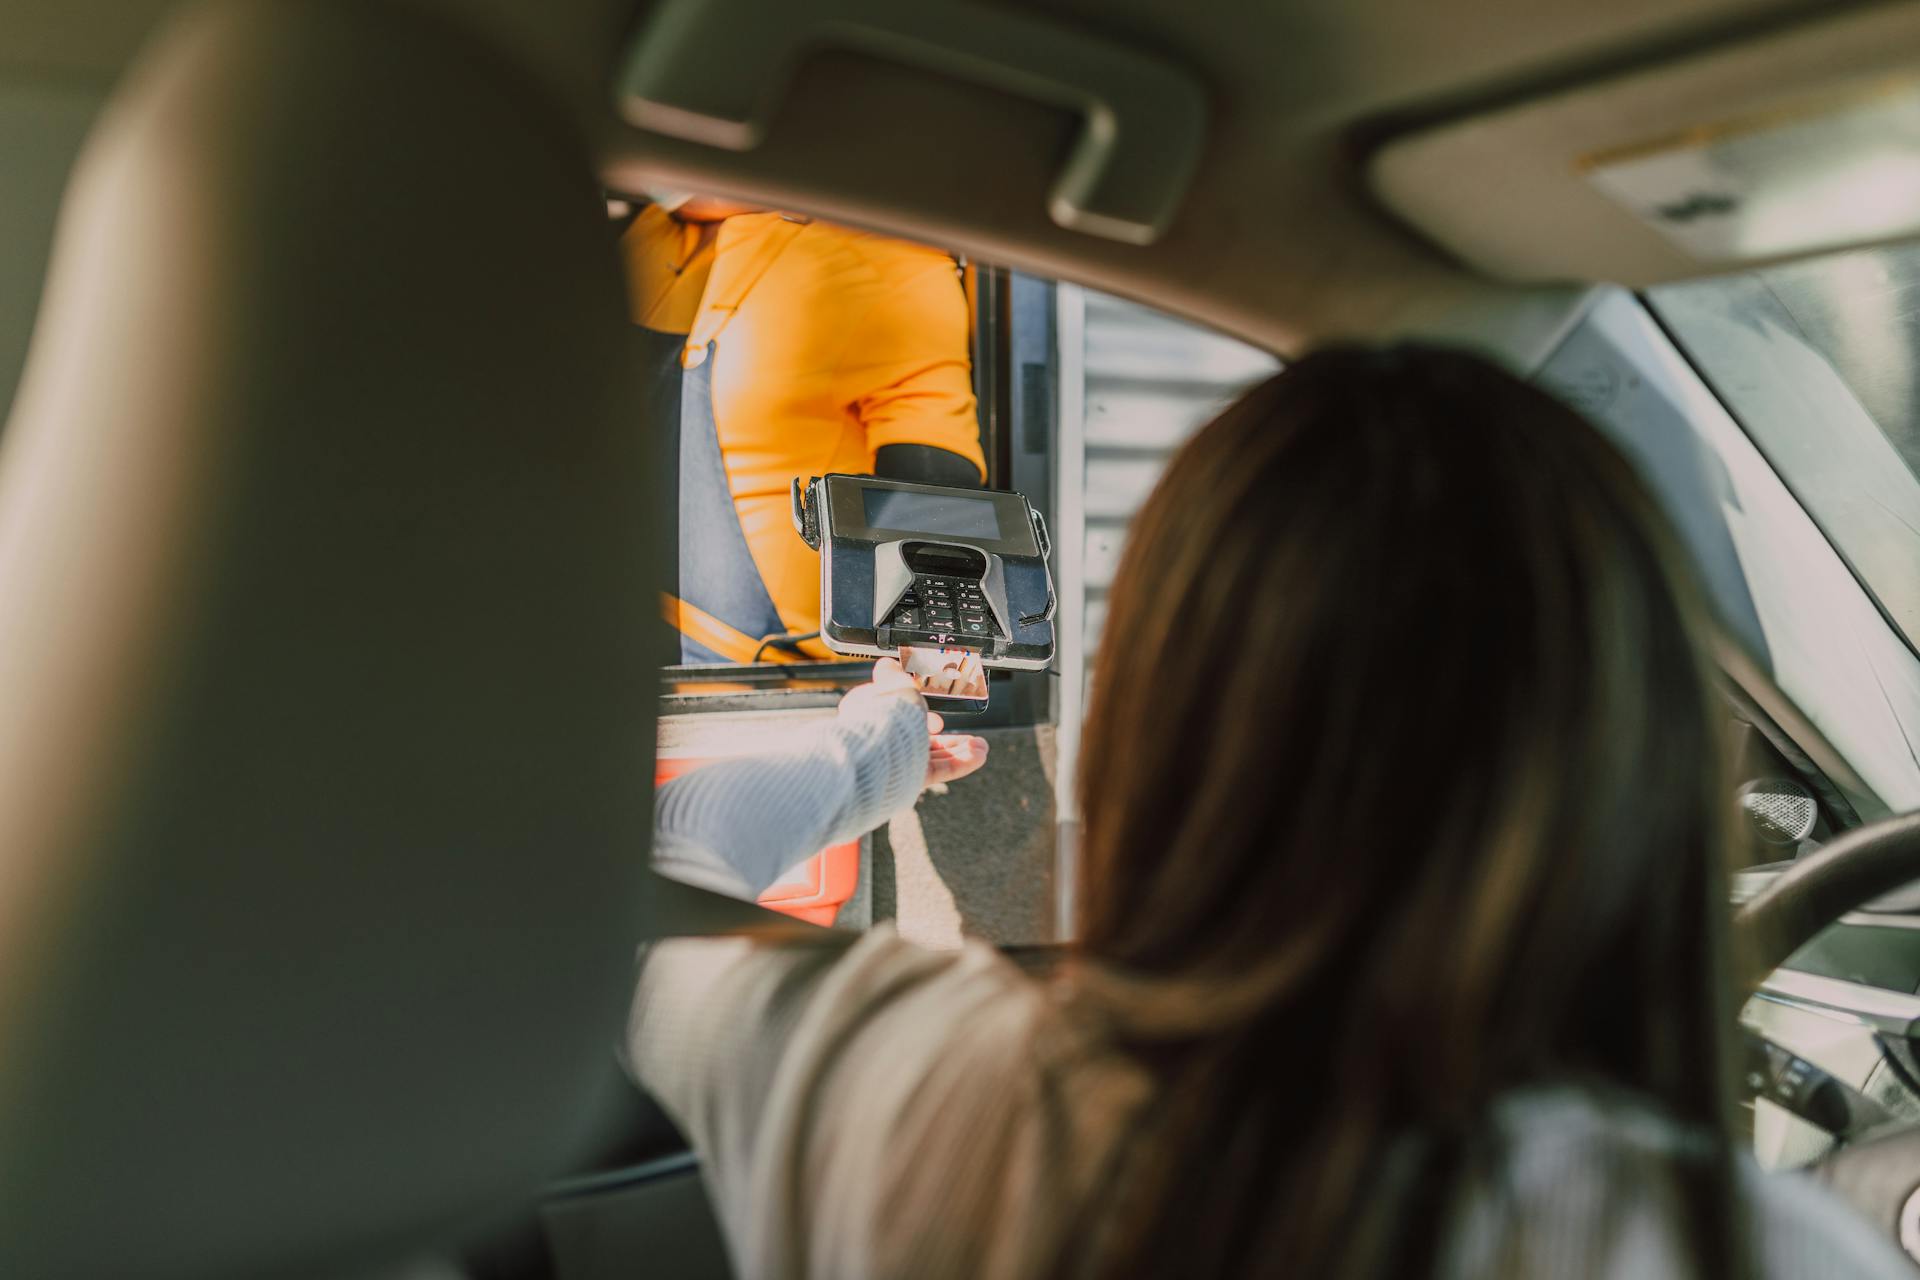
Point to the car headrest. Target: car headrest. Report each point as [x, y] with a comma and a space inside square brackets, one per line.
[325, 618]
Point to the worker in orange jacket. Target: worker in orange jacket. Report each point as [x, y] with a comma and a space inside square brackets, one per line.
[783, 346]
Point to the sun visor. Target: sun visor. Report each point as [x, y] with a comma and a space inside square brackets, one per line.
[1799, 142]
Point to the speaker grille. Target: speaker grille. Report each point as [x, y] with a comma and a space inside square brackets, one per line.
[1780, 810]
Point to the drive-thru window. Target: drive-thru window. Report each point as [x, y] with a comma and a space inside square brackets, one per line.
[1073, 398]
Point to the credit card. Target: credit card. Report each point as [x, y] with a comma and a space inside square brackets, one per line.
[946, 673]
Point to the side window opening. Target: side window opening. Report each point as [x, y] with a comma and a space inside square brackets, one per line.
[778, 347]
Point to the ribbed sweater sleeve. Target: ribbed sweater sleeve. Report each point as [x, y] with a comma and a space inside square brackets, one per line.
[737, 826]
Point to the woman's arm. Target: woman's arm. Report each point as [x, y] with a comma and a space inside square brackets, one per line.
[804, 1072]
[738, 1035]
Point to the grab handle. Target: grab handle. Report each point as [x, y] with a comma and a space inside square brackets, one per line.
[714, 71]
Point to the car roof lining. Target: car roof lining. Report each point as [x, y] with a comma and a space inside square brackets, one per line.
[1280, 240]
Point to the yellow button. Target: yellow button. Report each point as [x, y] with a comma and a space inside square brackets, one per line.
[692, 357]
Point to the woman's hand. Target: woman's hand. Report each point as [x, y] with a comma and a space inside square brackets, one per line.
[950, 755]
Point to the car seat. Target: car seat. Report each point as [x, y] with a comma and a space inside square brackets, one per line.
[326, 645]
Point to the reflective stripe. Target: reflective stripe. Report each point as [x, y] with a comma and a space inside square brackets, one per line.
[701, 627]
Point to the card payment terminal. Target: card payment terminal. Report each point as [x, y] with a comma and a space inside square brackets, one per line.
[928, 565]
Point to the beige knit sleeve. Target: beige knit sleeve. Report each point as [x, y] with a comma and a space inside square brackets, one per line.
[789, 1066]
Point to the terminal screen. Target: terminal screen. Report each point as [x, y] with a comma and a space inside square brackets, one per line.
[951, 515]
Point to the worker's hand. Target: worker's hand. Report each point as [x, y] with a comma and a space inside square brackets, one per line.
[952, 755]
[949, 755]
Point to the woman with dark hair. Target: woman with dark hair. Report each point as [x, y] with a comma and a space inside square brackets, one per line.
[1402, 947]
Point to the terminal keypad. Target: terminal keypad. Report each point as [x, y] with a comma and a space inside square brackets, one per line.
[936, 606]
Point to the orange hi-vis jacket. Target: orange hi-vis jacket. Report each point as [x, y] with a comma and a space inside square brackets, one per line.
[826, 344]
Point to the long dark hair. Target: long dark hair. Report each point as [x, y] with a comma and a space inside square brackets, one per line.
[1401, 791]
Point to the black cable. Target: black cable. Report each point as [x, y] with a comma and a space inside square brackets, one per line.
[789, 638]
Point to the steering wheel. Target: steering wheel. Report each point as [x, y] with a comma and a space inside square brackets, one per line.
[1847, 874]
[1879, 1175]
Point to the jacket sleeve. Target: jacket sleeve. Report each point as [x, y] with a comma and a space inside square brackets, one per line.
[736, 826]
[805, 1075]
[911, 376]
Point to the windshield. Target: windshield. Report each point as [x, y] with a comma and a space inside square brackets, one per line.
[1820, 362]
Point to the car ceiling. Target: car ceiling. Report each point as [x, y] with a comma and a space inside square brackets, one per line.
[1279, 240]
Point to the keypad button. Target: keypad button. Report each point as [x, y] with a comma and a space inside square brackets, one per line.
[973, 628]
[906, 618]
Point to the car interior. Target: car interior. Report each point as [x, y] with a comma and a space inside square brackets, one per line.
[336, 688]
